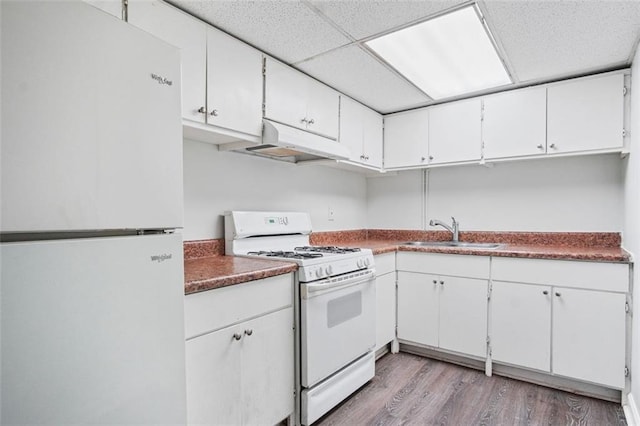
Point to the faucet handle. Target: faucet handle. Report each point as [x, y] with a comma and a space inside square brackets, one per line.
[454, 220]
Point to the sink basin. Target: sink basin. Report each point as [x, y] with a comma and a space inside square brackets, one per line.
[460, 244]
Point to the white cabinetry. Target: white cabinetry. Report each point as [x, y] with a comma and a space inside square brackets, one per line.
[406, 139]
[447, 308]
[112, 7]
[561, 316]
[240, 353]
[385, 299]
[294, 99]
[586, 114]
[515, 123]
[222, 77]
[455, 132]
[361, 132]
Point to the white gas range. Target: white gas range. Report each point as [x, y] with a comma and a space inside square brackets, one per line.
[335, 305]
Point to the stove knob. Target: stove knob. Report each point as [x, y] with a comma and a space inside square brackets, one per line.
[328, 270]
[360, 263]
[319, 272]
[367, 262]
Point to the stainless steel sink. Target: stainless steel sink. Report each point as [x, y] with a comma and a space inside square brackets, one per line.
[460, 244]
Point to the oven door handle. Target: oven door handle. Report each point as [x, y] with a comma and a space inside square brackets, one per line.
[309, 290]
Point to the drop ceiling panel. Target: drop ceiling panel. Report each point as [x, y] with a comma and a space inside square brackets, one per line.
[547, 39]
[363, 18]
[288, 30]
[356, 73]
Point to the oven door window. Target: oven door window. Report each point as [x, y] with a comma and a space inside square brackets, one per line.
[337, 327]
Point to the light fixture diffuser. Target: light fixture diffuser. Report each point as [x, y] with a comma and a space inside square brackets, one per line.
[446, 56]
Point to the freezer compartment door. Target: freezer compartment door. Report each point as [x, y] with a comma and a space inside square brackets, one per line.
[91, 127]
[93, 331]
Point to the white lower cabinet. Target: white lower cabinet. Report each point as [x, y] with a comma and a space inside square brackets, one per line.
[242, 373]
[385, 299]
[521, 325]
[444, 312]
[443, 309]
[589, 336]
[575, 326]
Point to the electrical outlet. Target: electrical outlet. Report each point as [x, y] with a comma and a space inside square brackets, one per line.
[331, 214]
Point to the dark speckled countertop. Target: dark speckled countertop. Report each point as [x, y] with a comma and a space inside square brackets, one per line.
[206, 267]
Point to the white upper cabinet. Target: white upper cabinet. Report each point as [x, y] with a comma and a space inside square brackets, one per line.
[112, 7]
[187, 33]
[294, 99]
[455, 132]
[586, 114]
[234, 84]
[222, 77]
[361, 132]
[515, 123]
[406, 138]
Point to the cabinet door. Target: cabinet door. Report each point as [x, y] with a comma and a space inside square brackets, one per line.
[234, 84]
[323, 104]
[520, 327]
[351, 130]
[418, 308]
[515, 123]
[586, 114]
[187, 33]
[267, 368]
[463, 315]
[455, 132]
[589, 336]
[213, 364]
[285, 95]
[372, 137]
[385, 309]
[406, 139]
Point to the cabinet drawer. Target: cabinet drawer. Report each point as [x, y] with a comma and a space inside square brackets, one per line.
[385, 263]
[444, 264]
[218, 308]
[587, 275]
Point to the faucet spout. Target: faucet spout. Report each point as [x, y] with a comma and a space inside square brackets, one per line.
[454, 228]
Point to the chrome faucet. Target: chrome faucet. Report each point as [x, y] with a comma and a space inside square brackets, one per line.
[454, 228]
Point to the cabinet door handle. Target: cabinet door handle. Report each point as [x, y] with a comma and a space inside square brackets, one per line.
[422, 159]
[304, 120]
[202, 110]
[435, 281]
[552, 146]
[558, 294]
[441, 282]
[248, 332]
[540, 146]
[214, 113]
[311, 121]
[237, 336]
[545, 292]
[430, 157]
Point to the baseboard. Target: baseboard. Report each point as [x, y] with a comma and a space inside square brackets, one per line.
[631, 411]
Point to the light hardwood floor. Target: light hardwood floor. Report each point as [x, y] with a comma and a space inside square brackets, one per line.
[412, 390]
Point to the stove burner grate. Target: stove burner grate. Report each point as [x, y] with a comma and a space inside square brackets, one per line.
[327, 249]
[286, 254]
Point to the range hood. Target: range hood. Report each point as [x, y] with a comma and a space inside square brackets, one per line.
[286, 143]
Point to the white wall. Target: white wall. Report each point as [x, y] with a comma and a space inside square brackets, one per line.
[631, 233]
[218, 181]
[562, 194]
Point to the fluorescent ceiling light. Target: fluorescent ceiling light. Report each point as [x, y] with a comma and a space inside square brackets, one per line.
[445, 56]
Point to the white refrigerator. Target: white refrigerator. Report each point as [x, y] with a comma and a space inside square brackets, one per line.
[91, 265]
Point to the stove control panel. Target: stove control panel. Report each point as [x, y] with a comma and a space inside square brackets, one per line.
[364, 260]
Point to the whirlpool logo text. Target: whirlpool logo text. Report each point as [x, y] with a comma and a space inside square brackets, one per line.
[161, 257]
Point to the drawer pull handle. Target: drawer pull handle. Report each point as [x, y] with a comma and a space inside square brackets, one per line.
[248, 332]
[558, 294]
[545, 292]
[237, 336]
